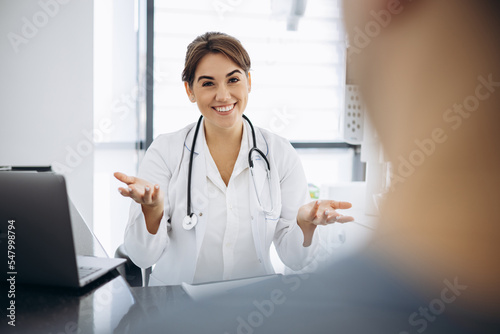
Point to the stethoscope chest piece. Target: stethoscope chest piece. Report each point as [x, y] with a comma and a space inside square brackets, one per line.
[189, 221]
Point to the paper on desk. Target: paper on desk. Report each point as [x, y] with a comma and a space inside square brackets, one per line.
[201, 291]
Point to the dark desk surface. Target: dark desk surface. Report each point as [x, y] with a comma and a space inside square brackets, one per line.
[108, 305]
[307, 304]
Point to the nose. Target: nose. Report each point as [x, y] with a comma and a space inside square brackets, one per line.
[222, 94]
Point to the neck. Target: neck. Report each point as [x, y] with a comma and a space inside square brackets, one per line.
[217, 137]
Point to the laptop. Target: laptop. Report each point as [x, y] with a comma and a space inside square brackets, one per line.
[37, 220]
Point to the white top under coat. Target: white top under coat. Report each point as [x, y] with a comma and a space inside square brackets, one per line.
[227, 250]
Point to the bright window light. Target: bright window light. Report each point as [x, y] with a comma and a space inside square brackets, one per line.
[297, 76]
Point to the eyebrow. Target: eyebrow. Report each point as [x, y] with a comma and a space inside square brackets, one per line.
[212, 78]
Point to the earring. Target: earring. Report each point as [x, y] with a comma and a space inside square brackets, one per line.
[192, 98]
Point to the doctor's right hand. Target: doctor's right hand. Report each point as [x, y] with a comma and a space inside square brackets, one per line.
[149, 195]
[141, 191]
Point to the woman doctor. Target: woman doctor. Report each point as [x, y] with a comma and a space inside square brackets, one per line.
[199, 212]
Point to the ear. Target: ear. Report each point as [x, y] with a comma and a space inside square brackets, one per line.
[189, 92]
[249, 82]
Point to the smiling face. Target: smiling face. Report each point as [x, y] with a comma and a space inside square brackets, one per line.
[220, 88]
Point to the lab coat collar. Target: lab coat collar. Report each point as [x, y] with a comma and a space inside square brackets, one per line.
[260, 166]
[188, 142]
[242, 160]
[259, 137]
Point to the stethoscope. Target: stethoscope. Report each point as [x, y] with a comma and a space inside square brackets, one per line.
[191, 218]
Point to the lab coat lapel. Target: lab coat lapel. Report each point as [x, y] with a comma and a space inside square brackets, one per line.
[199, 191]
[259, 176]
[259, 226]
[258, 220]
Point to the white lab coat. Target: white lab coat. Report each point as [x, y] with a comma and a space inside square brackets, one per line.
[173, 249]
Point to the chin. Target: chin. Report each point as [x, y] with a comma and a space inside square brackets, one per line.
[226, 121]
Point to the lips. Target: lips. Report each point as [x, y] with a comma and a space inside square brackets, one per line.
[225, 108]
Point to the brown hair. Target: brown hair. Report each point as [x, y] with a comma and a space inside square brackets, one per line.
[214, 42]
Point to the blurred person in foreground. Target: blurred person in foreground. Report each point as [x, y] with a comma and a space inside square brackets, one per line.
[430, 76]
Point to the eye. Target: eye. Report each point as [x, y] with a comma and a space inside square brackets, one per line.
[234, 80]
[207, 84]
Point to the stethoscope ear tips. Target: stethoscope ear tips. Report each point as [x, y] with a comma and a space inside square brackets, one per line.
[189, 221]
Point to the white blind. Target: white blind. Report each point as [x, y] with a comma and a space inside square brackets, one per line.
[297, 76]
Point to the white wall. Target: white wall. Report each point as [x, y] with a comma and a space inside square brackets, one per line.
[46, 84]
[115, 99]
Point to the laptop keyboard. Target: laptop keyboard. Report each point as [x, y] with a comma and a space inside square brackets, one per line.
[86, 271]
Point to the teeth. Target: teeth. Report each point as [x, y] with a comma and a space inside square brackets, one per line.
[223, 109]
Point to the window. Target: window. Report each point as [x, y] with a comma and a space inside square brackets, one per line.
[297, 76]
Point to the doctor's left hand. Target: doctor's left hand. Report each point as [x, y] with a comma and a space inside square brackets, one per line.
[148, 195]
[321, 212]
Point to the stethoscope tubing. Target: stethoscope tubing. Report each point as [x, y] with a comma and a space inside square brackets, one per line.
[191, 219]
[190, 171]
